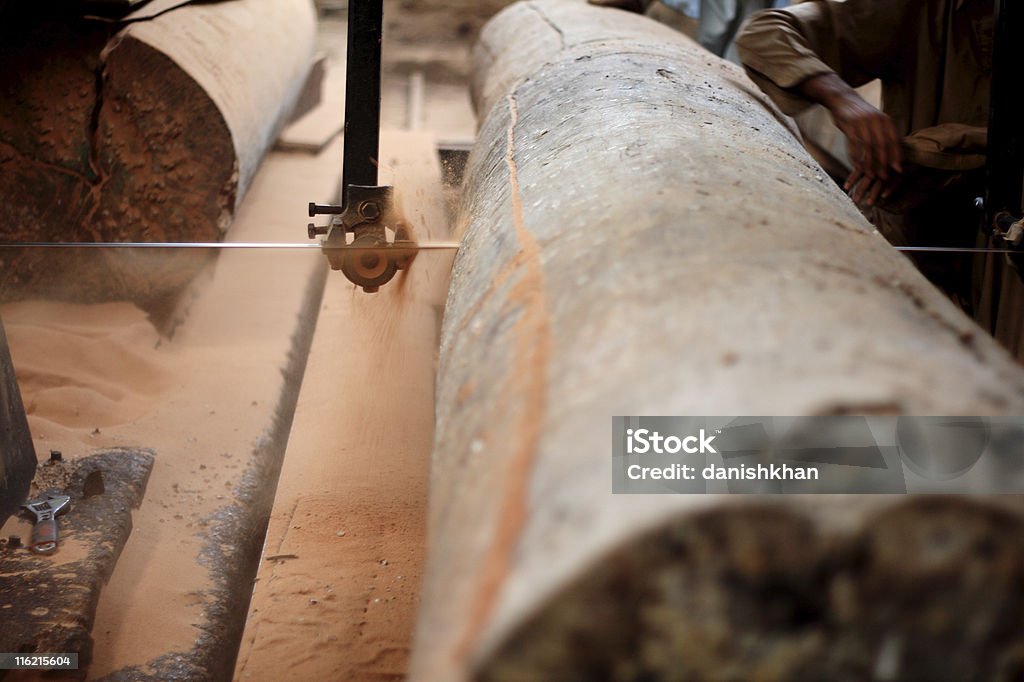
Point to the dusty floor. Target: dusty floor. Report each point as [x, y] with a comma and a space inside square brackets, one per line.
[96, 376]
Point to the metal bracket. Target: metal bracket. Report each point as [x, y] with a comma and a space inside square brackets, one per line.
[368, 259]
[1008, 228]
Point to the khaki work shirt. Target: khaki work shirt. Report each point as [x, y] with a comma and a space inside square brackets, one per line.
[934, 58]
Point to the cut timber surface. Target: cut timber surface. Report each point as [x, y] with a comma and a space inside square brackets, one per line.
[644, 235]
[150, 132]
[338, 586]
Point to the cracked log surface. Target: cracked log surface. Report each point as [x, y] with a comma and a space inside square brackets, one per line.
[147, 132]
[643, 234]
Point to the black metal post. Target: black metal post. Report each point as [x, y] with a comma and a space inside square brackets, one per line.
[17, 453]
[363, 93]
[1005, 168]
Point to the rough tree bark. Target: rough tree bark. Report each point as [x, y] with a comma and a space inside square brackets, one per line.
[644, 234]
[145, 132]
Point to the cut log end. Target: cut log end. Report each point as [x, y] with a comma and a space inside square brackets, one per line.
[149, 134]
[152, 161]
[928, 589]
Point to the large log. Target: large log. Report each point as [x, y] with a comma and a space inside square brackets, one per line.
[149, 131]
[644, 234]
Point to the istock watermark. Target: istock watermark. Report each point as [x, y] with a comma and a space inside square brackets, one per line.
[642, 441]
[848, 454]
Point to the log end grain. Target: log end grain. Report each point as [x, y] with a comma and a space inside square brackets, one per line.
[130, 150]
[147, 133]
[926, 589]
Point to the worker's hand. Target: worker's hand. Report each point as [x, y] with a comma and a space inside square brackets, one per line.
[874, 144]
[875, 149]
[870, 190]
[628, 5]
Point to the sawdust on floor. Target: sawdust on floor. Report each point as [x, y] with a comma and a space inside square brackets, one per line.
[89, 374]
[91, 377]
[95, 376]
[83, 369]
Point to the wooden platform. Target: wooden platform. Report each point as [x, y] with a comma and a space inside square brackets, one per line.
[338, 585]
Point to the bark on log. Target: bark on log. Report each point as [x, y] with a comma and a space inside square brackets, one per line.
[644, 234]
[147, 132]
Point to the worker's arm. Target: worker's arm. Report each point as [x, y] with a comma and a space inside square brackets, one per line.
[817, 53]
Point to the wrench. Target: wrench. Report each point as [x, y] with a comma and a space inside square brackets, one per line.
[46, 510]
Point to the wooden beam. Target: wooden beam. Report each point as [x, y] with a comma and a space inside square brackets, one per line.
[350, 506]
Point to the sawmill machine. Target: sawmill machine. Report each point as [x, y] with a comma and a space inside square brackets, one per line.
[366, 239]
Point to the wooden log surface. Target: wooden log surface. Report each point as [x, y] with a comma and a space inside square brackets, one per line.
[149, 131]
[644, 234]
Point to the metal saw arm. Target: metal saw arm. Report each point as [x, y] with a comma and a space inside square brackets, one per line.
[367, 211]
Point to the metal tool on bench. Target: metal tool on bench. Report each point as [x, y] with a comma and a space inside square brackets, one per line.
[46, 510]
[357, 240]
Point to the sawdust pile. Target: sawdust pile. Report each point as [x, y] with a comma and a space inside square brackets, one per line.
[100, 376]
[84, 368]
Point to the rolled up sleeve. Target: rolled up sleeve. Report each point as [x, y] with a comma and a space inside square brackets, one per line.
[856, 39]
